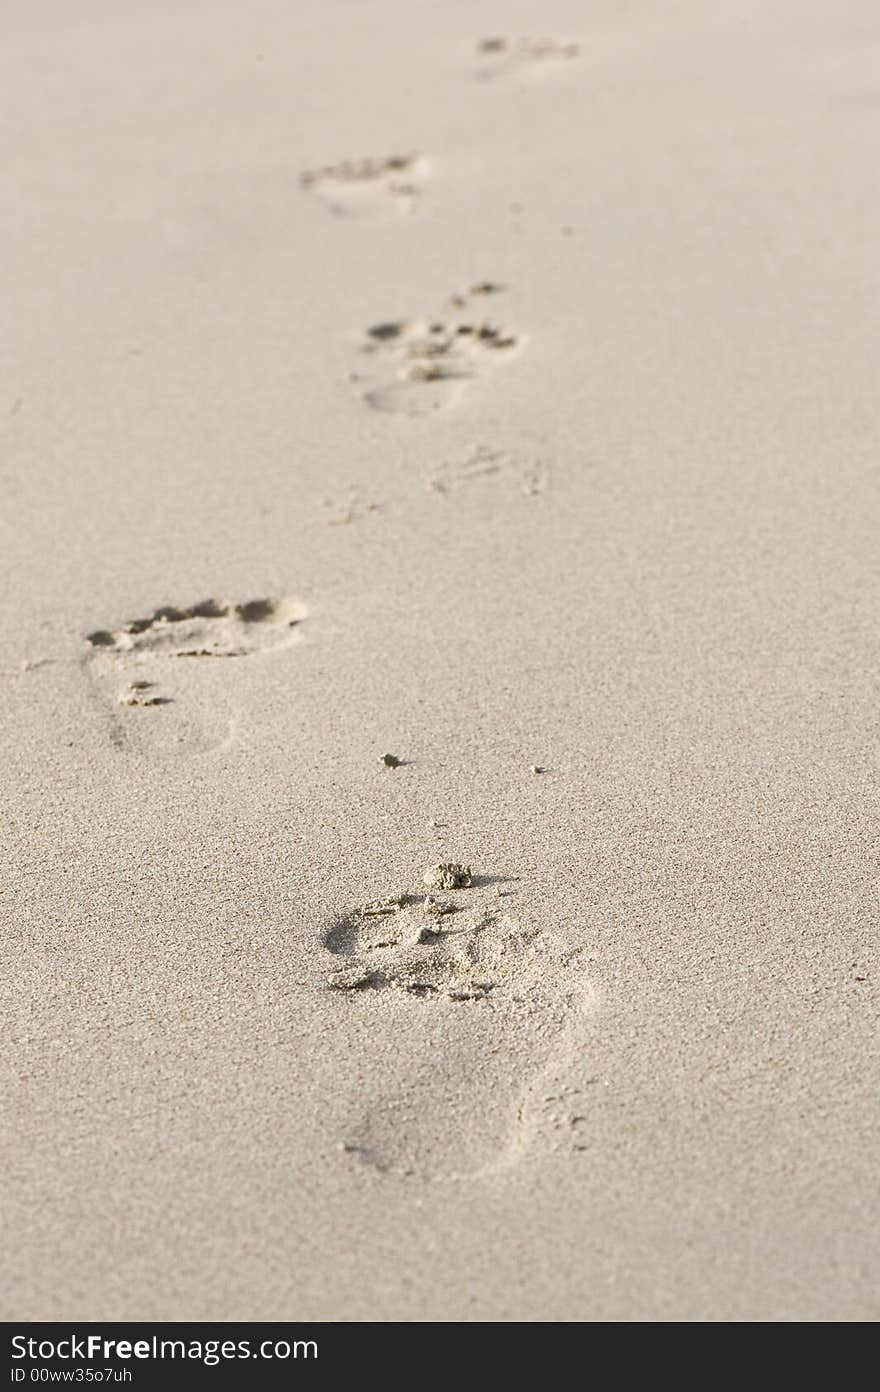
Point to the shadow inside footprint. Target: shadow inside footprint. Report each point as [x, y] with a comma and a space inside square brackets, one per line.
[341, 937]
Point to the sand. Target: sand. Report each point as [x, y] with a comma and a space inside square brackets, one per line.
[369, 389]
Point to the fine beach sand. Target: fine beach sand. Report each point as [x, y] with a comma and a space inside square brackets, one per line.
[509, 407]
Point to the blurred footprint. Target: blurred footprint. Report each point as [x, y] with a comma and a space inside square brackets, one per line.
[416, 367]
[514, 58]
[369, 187]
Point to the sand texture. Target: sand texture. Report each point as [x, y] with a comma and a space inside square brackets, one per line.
[440, 435]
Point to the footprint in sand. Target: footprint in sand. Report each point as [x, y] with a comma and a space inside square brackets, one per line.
[416, 367]
[516, 58]
[483, 464]
[481, 1015]
[155, 678]
[369, 187]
